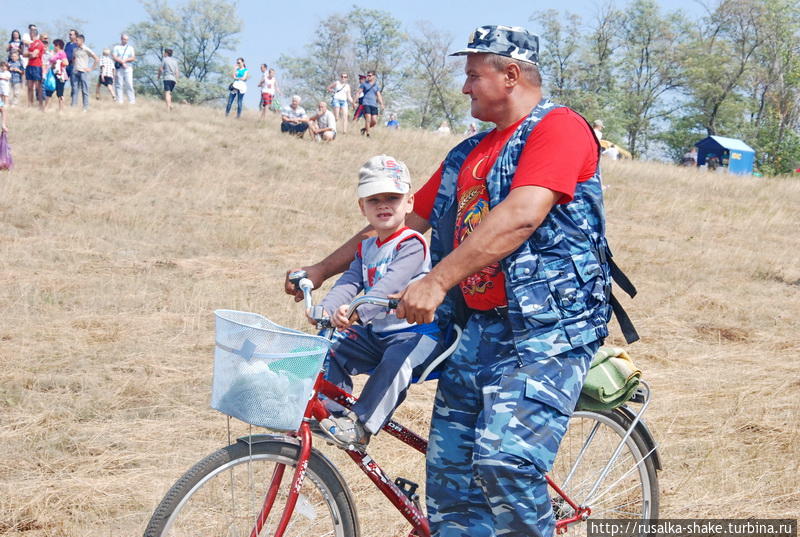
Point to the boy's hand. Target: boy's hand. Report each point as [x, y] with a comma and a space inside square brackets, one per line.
[340, 320]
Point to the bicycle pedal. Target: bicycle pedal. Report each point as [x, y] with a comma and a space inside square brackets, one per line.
[407, 487]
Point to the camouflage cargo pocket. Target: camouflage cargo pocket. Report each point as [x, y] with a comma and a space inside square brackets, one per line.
[532, 429]
[575, 283]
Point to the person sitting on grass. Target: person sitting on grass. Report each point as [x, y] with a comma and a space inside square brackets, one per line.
[294, 119]
[375, 340]
[323, 124]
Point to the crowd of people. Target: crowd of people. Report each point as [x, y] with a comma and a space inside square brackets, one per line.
[37, 68]
[325, 124]
[37, 71]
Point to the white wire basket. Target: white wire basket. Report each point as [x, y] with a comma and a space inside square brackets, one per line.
[264, 373]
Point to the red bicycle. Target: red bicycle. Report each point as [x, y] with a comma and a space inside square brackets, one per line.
[280, 484]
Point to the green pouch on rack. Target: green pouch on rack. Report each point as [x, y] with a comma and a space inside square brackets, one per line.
[611, 381]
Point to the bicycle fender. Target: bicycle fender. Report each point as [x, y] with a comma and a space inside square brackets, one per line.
[318, 455]
[646, 435]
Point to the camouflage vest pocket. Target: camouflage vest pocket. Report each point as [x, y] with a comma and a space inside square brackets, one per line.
[575, 283]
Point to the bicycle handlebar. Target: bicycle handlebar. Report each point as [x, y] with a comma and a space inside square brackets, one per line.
[300, 280]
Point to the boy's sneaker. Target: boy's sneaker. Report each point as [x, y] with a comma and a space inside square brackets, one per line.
[346, 430]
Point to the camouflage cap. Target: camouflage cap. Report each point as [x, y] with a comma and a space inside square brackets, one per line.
[511, 41]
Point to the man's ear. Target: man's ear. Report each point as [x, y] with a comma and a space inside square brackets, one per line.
[513, 75]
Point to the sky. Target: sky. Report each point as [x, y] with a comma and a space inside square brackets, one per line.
[271, 29]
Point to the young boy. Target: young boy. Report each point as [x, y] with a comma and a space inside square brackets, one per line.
[17, 70]
[106, 76]
[390, 348]
[5, 82]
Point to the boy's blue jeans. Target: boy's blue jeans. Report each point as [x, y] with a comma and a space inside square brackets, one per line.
[390, 359]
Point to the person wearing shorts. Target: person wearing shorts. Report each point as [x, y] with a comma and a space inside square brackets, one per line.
[169, 73]
[107, 72]
[372, 98]
[269, 87]
[33, 72]
[341, 96]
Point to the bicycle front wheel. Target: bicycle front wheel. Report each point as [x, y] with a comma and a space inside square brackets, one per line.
[629, 490]
[223, 494]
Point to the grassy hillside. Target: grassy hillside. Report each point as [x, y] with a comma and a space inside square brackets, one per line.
[121, 230]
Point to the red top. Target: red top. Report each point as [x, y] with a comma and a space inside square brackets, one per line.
[561, 133]
[37, 61]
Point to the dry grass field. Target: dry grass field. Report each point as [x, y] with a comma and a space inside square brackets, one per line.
[122, 229]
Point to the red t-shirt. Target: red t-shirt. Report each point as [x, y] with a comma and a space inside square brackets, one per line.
[559, 153]
[37, 61]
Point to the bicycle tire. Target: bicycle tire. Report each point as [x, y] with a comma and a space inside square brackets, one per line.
[629, 491]
[223, 493]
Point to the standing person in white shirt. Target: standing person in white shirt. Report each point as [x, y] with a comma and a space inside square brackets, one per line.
[124, 56]
[269, 88]
[341, 96]
[598, 127]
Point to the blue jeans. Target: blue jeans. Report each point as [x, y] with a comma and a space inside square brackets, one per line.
[80, 82]
[239, 96]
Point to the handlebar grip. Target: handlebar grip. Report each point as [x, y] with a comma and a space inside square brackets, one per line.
[393, 303]
[296, 276]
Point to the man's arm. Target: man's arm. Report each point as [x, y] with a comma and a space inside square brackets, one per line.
[501, 232]
[379, 97]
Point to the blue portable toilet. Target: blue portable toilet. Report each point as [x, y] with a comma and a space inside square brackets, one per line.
[734, 154]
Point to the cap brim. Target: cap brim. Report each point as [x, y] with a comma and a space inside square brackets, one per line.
[382, 187]
[465, 51]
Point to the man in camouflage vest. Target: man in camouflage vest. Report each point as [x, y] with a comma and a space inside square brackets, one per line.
[518, 244]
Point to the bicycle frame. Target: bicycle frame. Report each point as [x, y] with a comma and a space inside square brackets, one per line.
[399, 499]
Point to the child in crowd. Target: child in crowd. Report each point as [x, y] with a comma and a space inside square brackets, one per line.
[5, 82]
[17, 70]
[106, 77]
[387, 346]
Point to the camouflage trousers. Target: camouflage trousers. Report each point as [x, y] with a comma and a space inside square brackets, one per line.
[491, 440]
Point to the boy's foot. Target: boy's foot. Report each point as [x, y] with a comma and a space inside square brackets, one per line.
[346, 430]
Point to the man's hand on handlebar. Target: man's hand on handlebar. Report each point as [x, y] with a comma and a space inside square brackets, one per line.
[313, 273]
[419, 301]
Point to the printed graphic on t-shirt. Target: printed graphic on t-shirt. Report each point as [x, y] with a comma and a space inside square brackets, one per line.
[484, 289]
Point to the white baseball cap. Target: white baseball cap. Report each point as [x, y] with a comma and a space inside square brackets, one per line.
[382, 174]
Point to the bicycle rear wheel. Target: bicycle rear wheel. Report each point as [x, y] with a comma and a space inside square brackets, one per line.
[629, 489]
[222, 495]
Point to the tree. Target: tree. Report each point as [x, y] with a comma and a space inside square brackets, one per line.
[362, 39]
[431, 81]
[722, 52]
[558, 59]
[648, 69]
[198, 31]
[329, 54]
[378, 45]
[774, 87]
